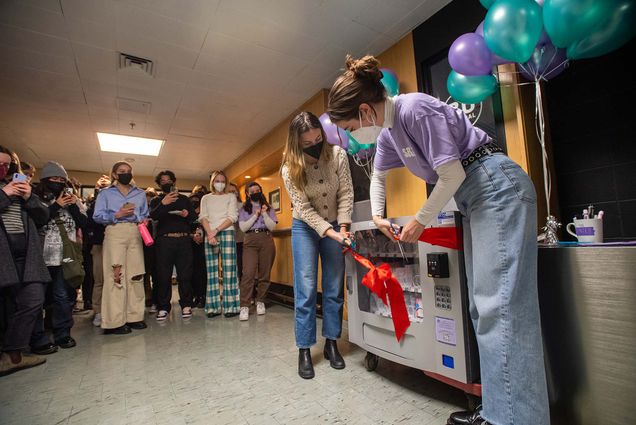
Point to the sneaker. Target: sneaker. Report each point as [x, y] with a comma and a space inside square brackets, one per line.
[186, 313]
[7, 366]
[260, 308]
[153, 308]
[162, 315]
[244, 314]
[97, 320]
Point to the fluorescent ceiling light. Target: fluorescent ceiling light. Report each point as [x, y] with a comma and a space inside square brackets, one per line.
[129, 144]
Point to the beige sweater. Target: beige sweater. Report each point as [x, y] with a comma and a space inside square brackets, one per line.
[328, 194]
[216, 208]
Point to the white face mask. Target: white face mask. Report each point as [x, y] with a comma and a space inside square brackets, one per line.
[219, 187]
[369, 135]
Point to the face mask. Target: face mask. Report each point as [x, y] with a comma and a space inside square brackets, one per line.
[55, 187]
[219, 187]
[256, 197]
[124, 178]
[166, 188]
[366, 135]
[314, 151]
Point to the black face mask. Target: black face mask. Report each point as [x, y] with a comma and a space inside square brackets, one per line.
[124, 178]
[314, 151]
[256, 197]
[166, 188]
[55, 187]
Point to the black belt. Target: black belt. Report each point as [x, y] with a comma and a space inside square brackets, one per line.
[258, 231]
[175, 235]
[483, 150]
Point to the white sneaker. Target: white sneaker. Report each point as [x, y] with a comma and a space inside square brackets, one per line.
[260, 308]
[153, 309]
[97, 320]
[162, 315]
[186, 313]
[244, 314]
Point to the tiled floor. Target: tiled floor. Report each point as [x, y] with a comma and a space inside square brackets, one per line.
[216, 371]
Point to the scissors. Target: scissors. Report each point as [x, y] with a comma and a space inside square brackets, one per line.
[396, 236]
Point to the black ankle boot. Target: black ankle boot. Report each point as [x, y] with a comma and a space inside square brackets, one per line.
[331, 353]
[305, 366]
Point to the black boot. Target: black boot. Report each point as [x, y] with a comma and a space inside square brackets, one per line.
[466, 418]
[331, 353]
[305, 366]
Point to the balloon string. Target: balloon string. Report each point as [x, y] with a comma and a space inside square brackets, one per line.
[540, 128]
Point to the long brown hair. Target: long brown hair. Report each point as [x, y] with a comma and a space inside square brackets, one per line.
[360, 83]
[14, 166]
[247, 206]
[293, 156]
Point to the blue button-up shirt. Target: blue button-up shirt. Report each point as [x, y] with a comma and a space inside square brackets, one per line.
[110, 200]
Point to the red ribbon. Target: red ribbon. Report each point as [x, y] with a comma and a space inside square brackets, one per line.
[381, 282]
[448, 237]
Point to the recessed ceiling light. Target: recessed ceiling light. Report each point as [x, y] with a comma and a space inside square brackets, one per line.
[129, 144]
[248, 177]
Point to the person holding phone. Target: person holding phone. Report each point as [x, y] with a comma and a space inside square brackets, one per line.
[64, 210]
[121, 207]
[23, 273]
[174, 216]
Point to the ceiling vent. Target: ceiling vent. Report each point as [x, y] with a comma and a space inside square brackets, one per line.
[127, 61]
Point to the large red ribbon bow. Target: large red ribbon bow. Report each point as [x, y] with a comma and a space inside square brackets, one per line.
[381, 282]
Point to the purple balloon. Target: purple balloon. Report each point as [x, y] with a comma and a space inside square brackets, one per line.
[546, 62]
[494, 59]
[334, 134]
[469, 55]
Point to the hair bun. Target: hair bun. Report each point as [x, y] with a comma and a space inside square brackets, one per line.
[365, 67]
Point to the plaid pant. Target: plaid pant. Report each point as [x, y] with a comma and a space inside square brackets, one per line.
[227, 248]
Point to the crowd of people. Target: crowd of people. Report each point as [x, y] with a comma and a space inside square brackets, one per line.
[117, 276]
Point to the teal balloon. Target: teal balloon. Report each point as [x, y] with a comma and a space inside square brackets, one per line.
[567, 21]
[354, 146]
[617, 27]
[486, 3]
[390, 82]
[512, 28]
[470, 90]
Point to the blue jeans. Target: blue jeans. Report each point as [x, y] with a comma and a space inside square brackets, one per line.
[61, 298]
[498, 202]
[306, 246]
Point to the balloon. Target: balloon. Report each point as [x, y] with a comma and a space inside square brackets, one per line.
[617, 29]
[332, 132]
[486, 3]
[355, 147]
[567, 21]
[469, 55]
[470, 90]
[390, 82]
[546, 62]
[494, 59]
[512, 28]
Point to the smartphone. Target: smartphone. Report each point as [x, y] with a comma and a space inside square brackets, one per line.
[68, 191]
[174, 189]
[129, 205]
[19, 178]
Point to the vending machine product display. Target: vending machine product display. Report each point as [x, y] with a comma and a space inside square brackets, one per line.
[440, 340]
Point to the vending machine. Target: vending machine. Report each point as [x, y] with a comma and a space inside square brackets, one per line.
[440, 340]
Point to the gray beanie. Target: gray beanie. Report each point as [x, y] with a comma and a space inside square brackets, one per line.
[53, 169]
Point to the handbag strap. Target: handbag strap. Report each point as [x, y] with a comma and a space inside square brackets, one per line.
[62, 229]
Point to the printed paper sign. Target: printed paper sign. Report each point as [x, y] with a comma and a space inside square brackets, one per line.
[445, 331]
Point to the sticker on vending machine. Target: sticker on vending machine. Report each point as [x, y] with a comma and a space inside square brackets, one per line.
[446, 217]
[445, 330]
